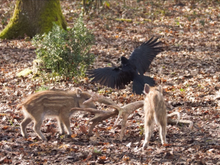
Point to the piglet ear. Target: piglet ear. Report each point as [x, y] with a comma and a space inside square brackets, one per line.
[146, 88]
[160, 89]
[78, 92]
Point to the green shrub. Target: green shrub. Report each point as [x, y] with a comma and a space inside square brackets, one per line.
[65, 53]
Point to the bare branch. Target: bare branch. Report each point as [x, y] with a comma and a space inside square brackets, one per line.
[100, 118]
[172, 114]
[125, 111]
[101, 99]
[172, 121]
[99, 115]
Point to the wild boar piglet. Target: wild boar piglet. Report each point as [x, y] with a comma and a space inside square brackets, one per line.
[154, 111]
[52, 103]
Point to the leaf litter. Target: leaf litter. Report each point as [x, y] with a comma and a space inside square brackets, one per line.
[188, 70]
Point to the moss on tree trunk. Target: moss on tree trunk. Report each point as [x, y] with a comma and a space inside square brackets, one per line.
[33, 17]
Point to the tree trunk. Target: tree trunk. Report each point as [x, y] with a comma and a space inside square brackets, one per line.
[33, 17]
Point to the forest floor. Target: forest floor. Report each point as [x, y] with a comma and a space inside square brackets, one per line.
[188, 69]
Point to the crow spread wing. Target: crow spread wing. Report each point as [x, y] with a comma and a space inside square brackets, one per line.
[131, 69]
[142, 56]
[112, 77]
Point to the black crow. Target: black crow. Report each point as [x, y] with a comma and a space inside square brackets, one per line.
[131, 69]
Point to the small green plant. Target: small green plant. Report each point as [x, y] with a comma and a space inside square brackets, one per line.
[62, 136]
[11, 122]
[42, 88]
[65, 53]
[177, 23]
[141, 127]
[202, 22]
[96, 151]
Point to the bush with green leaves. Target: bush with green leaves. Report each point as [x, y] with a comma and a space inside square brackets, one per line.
[65, 53]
